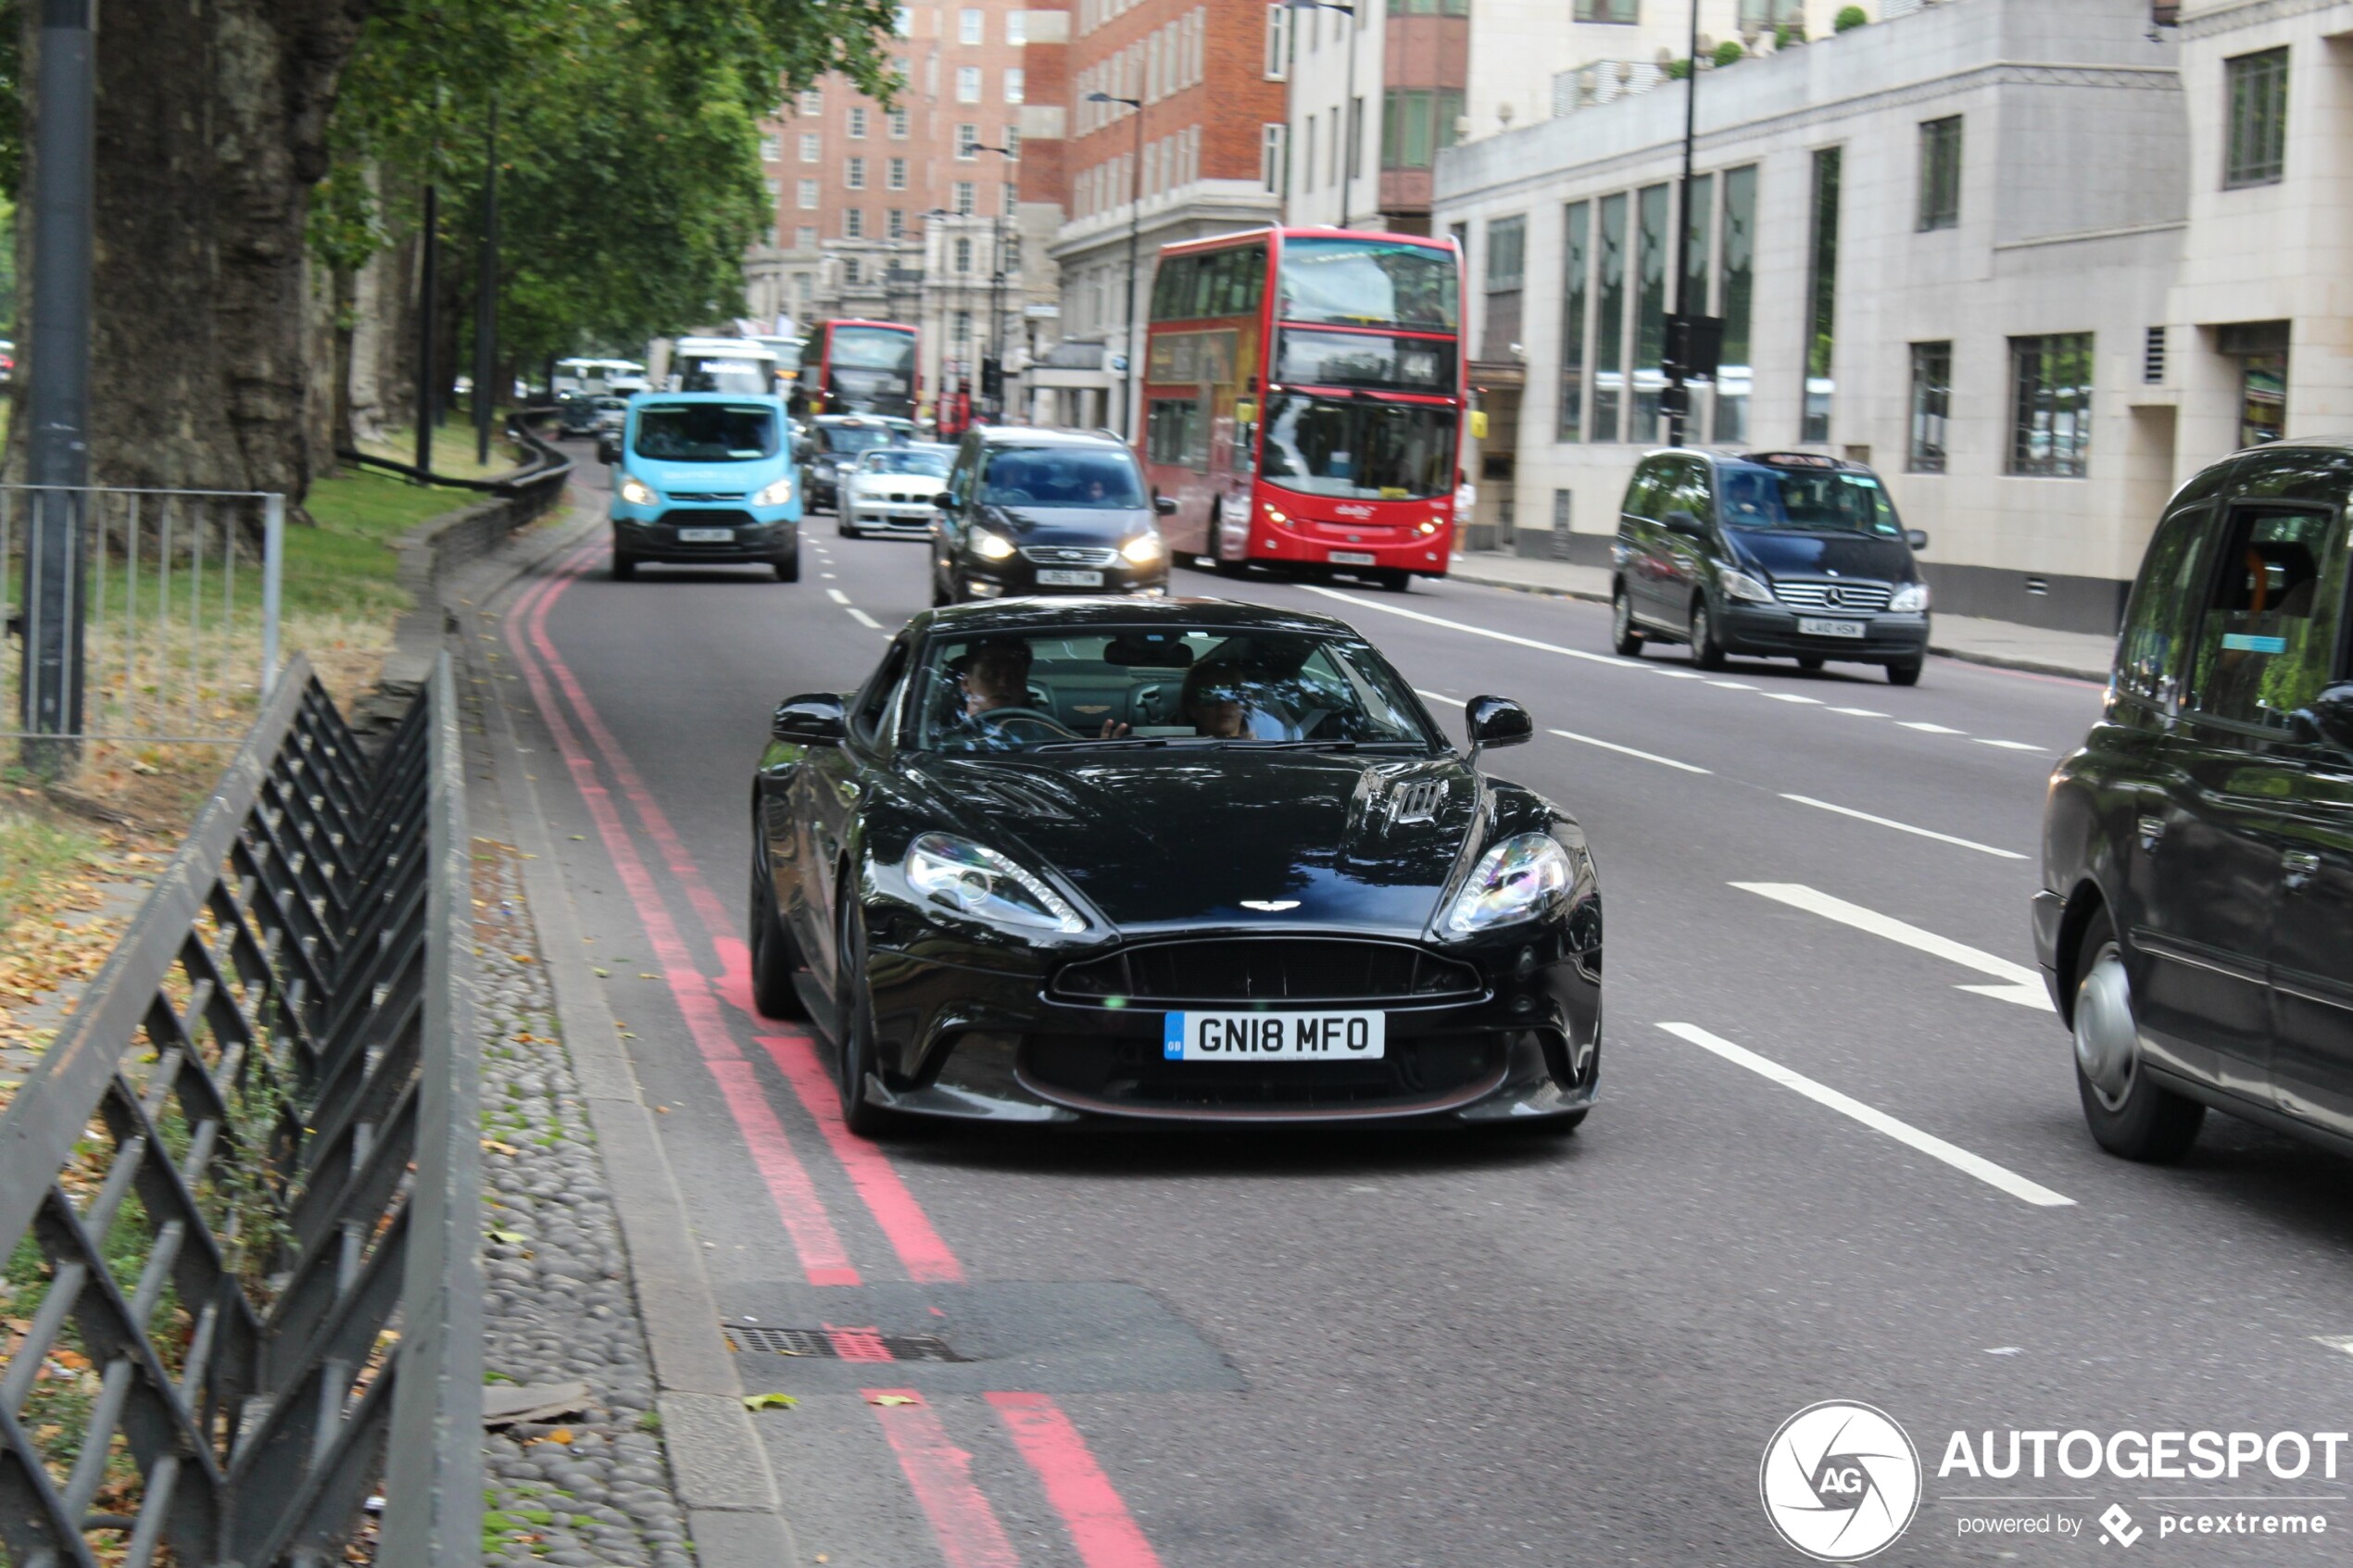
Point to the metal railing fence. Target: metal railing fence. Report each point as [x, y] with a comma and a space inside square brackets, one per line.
[239, 1196]
[179, 608]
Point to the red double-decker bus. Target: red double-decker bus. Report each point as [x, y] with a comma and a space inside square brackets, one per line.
[851, 367]
[1303, 400]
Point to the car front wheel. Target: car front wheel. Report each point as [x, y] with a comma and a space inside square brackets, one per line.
[856, 1061]
[1707, 653]
[1622, 636]
[1905, 674]
[2130, 1113]
[774, 958]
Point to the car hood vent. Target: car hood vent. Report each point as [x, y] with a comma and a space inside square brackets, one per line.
[1416, 800]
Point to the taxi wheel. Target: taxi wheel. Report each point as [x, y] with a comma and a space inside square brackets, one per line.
[2128, 1113]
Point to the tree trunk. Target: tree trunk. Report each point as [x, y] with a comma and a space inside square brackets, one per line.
[346, 331]
[211, 130]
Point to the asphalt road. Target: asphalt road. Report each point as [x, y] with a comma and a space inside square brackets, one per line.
[1838, 1153]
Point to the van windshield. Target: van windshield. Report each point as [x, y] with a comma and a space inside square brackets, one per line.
[706, 433]
[1812, 501]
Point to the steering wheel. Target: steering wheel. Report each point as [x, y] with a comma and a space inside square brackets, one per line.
[1023, 716]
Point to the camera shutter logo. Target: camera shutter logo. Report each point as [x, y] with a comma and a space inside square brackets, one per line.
[1840, 1481]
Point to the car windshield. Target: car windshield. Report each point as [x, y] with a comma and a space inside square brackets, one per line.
[1160, 690]
[851, 438]
[1061, 476]
[1359, 447]
[1368, 283]
[903, 459]
[1805, 501]
[706, 433]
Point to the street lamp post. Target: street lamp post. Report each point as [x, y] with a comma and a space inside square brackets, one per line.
[992, 378]
[1135, 221]
[1351, 128]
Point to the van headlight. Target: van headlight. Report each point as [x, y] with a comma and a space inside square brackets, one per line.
[774, 494]
[1143, 549]
[991, 546]
[638, 492]
[1516, 880]
[1741, 585]
[975, 880]
[1910, 599]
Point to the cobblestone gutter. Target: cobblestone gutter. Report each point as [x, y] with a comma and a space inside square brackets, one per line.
[593, 1487]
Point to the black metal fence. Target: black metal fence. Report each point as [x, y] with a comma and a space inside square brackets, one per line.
[240, 1198]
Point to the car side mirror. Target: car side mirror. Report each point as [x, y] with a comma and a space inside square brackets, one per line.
[1685, 524]
[945, 500]
[812, 719]
[1917, 538]
[1165, 505]
[608, 450]
[2327, 720]
[1495, 721]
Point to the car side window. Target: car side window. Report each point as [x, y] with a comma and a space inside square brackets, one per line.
[1641, 491]
[2149, 658]
[874, 703]
[2268, 636]
[1697, 493]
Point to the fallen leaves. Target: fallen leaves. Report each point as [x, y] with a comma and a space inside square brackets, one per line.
[769, 1401]
[889, 1400]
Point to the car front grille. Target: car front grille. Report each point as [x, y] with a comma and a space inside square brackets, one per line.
[1857, 596]
[707, 496]
[1069, 555]
[707, 519]
[1269, 969]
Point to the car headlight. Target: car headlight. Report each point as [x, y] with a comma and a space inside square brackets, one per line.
[1741, 585]
[975, 880]
[1144, 549]
[1910, 599]
[638, 492]
[774, 494]
[991, 546]
[1516, 880]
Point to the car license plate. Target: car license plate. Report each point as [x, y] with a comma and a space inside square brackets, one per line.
[1054, 579]
[706, 536]
[1273, 1037]
[1351, 558]
[1813, 628]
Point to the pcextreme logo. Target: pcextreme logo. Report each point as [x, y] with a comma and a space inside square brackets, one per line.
[1840, 1481]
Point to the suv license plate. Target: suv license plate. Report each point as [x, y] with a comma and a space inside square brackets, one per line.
[1353, 557]
[706, 536]
[1273, 1037]
[1810, 627]
[1053, 579]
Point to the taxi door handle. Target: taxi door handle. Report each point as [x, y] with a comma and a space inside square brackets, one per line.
[2298, 867]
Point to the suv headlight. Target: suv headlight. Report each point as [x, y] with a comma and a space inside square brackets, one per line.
[975, 880]
[1143, 549]
[774, 494]
[1741, 585]
[991, 546]
[638, 492]
[1910, 599]
[1516, 880]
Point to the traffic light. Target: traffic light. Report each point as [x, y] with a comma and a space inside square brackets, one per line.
[992, 377]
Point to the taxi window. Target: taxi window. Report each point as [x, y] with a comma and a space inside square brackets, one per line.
[2268, 636]
[2148, 656]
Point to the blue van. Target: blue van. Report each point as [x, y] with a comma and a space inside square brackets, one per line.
[705, 476]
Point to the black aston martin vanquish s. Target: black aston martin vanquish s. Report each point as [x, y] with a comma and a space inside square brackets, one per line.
[1175, 860]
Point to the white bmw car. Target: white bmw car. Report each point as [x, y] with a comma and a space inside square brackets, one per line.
[891, 489]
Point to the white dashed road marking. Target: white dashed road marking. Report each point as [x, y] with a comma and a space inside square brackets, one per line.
[1794, 697]
[1905, 827]
[1628, 751]
[1861, 712]
[837, 595]
[2018, 984]
[864, 620]
[1928, 729]
[1961, 1159]
[2007, 745]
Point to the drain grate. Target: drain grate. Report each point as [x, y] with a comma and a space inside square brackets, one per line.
[839, 1344]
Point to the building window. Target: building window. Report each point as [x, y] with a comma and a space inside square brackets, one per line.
[1931, 404]
[771, 149]
[1013, 86]
[895, 223]
[812, 102]
[1272, 140]
[854, 223]
[1011, 144]
[1417, 124]
[856, 122]
[1010, 200]
[1609, 321]
[1761, 14]
[1821, 296]
[968, 24]
[2257, 151]
[962, 330]
[968, 85]
[809, 195]
[965, 195]
[967, 142]
[812, 147]
[2261, 347]
[1940, 173]
[1652, 248]
[1307, 156]
[895, 174]
[850, 271]
[854, 173]
[897, 119]
[960, 250]
[1735, 293]
[805, 237]
[804, 285]
[1627, 11]
[1278, 25]
[2051, 413]
[1017, 27]
[775, 187]
[1576, 253]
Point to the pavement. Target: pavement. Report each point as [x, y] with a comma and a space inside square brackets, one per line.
[2002, 644]
[1838, 1153]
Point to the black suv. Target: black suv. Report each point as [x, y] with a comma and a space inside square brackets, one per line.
[2195, 922]
[1046, 511]
[830, 444]
[1790, 555]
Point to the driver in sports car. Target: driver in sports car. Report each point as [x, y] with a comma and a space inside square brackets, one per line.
[996, 678]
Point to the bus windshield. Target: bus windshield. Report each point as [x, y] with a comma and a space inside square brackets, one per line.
[1362, 282]
[871, 367]
[727, 372]
[706, 433]
[1359, 448]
